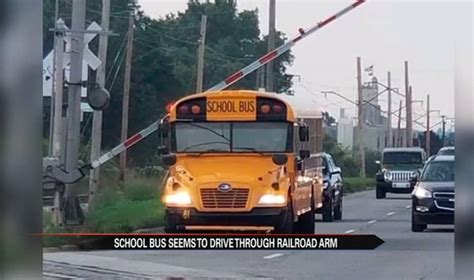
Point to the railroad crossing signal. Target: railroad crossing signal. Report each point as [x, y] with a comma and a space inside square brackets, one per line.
[90, 60]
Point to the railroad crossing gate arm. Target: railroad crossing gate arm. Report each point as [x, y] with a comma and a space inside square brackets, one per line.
[270, 56]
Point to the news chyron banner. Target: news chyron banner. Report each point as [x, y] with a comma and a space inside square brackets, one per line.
[233, 242]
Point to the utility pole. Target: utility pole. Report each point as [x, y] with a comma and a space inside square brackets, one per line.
[257, 80]
[200, 58]
[58, 91]
[408, 98]
[360, 121]
[409, 134]
[427, 140]
[53, 93]
[399, 133]
[271, 45]
[389, 112]
[73, 212]
[443, 137]
[126, 96]
[96, 142]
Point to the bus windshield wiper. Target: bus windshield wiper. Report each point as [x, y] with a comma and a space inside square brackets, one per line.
[252, 149]
[208, 129]
[206, 143]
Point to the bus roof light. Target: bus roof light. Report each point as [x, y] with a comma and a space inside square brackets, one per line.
[184, 110]
[265, 108]
[196, 109]
[277, 109]
[169, 107]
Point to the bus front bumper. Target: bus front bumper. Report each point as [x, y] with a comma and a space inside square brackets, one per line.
[258, 219]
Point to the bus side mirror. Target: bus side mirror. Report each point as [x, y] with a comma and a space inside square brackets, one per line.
[303, 133]
[280, 159]
[164, 128]
[169, 159]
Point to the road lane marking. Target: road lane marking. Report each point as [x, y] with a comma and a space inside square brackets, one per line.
[408, 206]
[350, 231]
[371, 222]
[390, 213]
[61, 276]
[272, 256]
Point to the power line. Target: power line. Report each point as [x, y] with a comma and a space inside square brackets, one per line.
[121, 49]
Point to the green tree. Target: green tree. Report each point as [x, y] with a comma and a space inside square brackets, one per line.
[371, 167]
[343, 157]
[164, 60]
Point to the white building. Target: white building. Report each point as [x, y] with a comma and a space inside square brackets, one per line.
[345, 131]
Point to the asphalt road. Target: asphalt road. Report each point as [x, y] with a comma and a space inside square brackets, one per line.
[404, 255]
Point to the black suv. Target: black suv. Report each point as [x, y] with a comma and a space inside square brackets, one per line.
[332, 190]
[433, 196]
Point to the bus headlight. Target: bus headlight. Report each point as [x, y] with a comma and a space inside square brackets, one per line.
[422, 193]
[272, 199]
[178, 199]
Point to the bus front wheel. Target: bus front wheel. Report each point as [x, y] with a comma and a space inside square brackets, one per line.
[171, 224]
[306, 223]
[286, 225]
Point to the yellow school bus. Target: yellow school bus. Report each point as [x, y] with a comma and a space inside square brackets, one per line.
[235, 163]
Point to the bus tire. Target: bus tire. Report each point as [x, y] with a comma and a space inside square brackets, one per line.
[170, 225]
[286, 225]
[306, 223]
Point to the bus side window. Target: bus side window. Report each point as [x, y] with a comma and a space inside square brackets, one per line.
[163, 133]
[296, 143]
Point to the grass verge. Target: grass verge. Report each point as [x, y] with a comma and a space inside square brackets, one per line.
[357, 184]
[116, 210]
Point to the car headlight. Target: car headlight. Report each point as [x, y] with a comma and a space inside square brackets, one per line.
[387, 175]
[272, 199]
[177, 199]
[422, 192]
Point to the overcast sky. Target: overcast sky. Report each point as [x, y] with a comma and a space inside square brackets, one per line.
[382, 33]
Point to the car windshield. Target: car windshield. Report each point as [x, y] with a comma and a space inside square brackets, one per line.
[446, 152]
[390, 158]
[438, 171]
[231, 137]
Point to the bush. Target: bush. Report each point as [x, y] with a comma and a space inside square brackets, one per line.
[141, 189]
[343, 157]
[355, 184]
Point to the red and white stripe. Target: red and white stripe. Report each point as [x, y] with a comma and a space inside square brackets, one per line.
[280, 50]
[125, 145]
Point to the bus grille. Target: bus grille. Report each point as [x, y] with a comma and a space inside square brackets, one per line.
[213, 198]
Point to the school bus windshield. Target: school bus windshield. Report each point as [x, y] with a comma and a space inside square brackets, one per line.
[211, 137]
